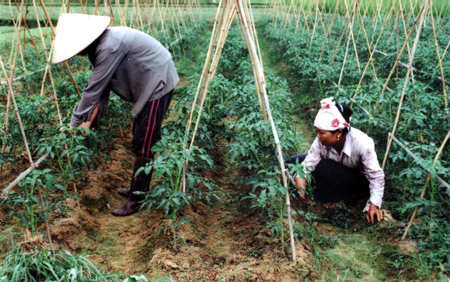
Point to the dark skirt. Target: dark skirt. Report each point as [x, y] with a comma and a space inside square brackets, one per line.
[335, 183]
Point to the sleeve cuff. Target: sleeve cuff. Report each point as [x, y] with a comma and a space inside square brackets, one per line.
[74, 122]
[376, 200]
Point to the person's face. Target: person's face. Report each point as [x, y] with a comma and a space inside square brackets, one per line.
[327, 138]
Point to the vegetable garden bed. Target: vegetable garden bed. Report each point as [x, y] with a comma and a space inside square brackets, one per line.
[231, 224]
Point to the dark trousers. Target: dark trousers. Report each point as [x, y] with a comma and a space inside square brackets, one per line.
[335, 183]
[147, 126]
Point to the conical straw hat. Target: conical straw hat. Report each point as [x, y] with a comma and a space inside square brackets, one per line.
[75, 32]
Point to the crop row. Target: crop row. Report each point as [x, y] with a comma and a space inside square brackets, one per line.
[70, 152]
[423, 123]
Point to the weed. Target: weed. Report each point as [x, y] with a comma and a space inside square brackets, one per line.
[41, 265]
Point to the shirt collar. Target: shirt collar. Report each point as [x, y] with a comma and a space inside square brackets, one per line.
[348, 144]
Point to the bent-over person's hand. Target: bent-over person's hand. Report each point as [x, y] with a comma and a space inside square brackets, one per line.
[374, 212]
[87, 124]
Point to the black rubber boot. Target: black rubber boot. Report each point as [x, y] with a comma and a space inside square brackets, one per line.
[138, 183]
[124, 192]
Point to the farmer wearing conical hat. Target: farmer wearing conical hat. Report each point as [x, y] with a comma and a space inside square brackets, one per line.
[133, 65]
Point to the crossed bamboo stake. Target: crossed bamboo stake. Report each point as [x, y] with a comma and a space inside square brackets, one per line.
[227, 10]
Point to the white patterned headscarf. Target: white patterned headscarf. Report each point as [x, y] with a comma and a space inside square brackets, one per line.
[329, 117]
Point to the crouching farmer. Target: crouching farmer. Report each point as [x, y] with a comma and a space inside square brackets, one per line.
[343, 162]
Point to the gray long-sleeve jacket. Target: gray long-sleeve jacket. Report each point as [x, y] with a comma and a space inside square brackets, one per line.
[130, 63]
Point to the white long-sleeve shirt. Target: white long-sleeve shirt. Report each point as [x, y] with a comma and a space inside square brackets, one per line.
[358, 153]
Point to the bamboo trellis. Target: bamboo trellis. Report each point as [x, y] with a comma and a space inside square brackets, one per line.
[153, 17]
[172, 14]
[42, 12]
[224, 17]
[422, 11]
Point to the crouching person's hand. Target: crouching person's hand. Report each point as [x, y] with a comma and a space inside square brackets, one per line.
[374, 212]
[301, 185]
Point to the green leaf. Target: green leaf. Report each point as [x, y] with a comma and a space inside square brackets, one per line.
[176, 201]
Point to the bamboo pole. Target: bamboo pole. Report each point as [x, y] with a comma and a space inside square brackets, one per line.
[254, 36]
[445, 51]
[439, 58]
[398, 33]
[371, 55]
[132, 15]
[375, 19]
[302, 15]
[405, 33]
[276, 7]
[368, 44]
[39, 26]
[297, 16]
[81, 5]
[252, 51]
[9, 80]
[419, 16]
[353, 40]
[400, 63]
[96, 7]
[22, 176]
[405, 85]
[44, 47]
[64, 63]
[287, 18]
[175, 16]
[17, 29]
[252, 23]
[305, 22]
[315, 23]
[6, 124]
[49, 235]
[391, 36]
[122, 17]
[214, 65]
[229, 11]
[53, 86]
[436, 158]
[345, 59]
[29, 33]
[419, 161]
[322, 18]
[343, 33]
[113, 18]
[11, 93]
[147, 18]
[138, 12]
[13, 38]
[206, 67]
[183, 21]
[329, 32]
[439, 17]
[163, 29]
[222, 38]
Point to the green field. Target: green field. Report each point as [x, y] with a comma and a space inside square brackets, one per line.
[232, 222]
